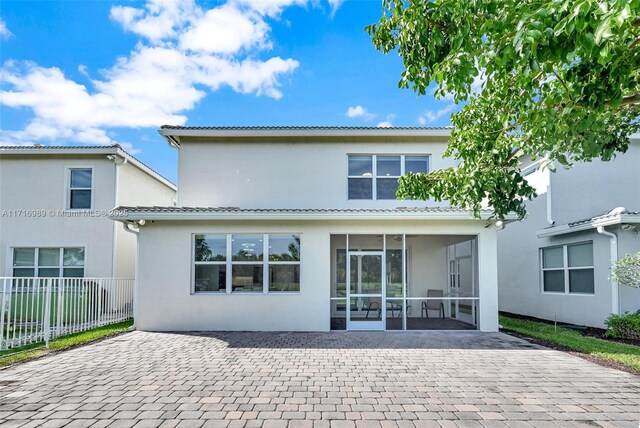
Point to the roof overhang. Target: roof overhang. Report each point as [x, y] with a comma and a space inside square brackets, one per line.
[174, 134]
[129, 214]
[608, 220]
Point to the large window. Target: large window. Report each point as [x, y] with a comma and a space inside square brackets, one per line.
[80, 184]
[48, 262]
[568, 269]
[246, 263]
[376, 176]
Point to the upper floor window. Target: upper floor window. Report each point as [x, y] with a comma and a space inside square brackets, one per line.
[80, 188]
[48, 262]
[376, 176]
[568, 269]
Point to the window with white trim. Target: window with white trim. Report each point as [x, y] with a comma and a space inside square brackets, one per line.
[246, 263]
[79, 188]
[48, 262]
[376, 177]
[568, 269]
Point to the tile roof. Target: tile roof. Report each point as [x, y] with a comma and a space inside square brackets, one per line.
[608, 214]
[299, 128]
[214, 210]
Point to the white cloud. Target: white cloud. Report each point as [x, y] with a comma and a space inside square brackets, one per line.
[4, 31]
[385, 124]
[335, 5]
[431, 116]
[359, 111]
[184, 53]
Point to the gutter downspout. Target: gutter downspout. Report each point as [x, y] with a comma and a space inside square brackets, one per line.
[613, 241]
[550, 219]
[126, 227]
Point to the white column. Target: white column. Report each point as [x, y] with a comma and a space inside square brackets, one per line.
[488, 279]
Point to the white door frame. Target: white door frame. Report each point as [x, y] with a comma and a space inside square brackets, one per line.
[366, 325]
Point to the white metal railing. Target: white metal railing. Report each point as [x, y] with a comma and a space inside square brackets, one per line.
[40, 309]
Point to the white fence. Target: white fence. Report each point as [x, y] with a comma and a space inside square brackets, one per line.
[40, 309]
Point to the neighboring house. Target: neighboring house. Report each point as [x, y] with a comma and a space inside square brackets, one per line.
[298, 228]
[555, 264]
[54, 207]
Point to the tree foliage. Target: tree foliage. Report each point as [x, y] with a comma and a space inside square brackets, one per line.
[560, 78]
[626, 271]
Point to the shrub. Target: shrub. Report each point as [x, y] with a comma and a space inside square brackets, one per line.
[625, 326]
[626, 271]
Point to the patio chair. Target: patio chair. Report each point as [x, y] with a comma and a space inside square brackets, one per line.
[433, 305]
[374, 305]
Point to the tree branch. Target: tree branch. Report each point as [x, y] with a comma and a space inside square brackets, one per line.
[631, 99]
[512, 155]
[563, 84]
[636, 23]
[634, 43]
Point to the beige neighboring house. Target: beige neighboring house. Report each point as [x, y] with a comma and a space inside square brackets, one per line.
[299, 229]
[555, 264]
[54, 207]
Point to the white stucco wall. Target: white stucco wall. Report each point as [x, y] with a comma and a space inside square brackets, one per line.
[165, 301]
[39, 183]
[135, 187]
[285, 175]
[586, 190]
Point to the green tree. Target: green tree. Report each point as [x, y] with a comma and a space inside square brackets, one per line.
[559, 79]
[626, 271]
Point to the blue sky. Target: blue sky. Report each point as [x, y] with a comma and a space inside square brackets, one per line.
[102, 72]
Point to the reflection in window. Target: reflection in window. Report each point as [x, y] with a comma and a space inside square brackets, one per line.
[48, 262]
[376, 176]
[80, 180]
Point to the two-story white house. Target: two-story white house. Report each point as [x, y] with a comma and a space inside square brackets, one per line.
[54, 207]
[555, 264]
[298, 228]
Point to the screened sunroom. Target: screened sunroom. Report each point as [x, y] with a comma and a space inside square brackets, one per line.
[404, 282]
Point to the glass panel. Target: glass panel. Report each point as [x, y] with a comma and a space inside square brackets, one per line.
[554, 281]
[246, 278]
[388, 166]
[360, 188]
[210, 248]
[394, 314]
[81, 178]
[338, 314]
[366, 309]
[354, 280]
[49, 257]
[360, 166]
[580, 255]
[210, 278]
[48, 272]
[24, 256]
[416, 164]
[552, 257]
[581, 281]
[247, 247]
[284, 278]
[386, 188]
[73, 272]
[284, 247]
[29, 272]
[80, 199]
[394, 273]
[341, 273]
[371, 274]
[73, 257]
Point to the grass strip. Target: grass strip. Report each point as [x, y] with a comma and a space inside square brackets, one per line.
[37, 350]
[621, 353]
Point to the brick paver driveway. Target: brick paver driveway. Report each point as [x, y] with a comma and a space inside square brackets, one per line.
[409, 379]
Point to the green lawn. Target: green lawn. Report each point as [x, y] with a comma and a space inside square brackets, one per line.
[627, 355]
[29, 352]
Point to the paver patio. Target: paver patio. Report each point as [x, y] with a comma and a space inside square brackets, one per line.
[419, 379]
